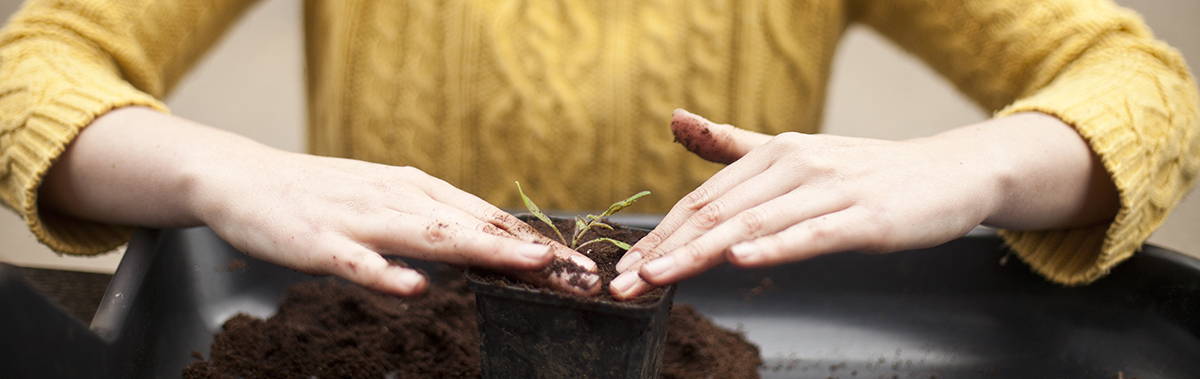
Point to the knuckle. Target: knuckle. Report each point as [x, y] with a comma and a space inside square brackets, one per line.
[500, 217]
[695, 199]
[820, 230]
[490, 229]
[653, 238]
[435, 233]
[751, 221]
[709, 216]
[652, 254]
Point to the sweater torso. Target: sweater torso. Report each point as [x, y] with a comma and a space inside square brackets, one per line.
[571, 98]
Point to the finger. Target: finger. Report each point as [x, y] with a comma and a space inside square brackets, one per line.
[426, 238]
[422, 237]
[720, 143]
[715, 186]
[767, 185]
[435, 209]
[441, 191]
[563, 274]
[628, 285]
[358, 264]
[472, 205]
[708, 249]
[839, 231]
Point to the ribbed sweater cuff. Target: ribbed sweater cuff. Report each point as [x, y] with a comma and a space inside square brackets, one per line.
[48, 130]
[1082, 255]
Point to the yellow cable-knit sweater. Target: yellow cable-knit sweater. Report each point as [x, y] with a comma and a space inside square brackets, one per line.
[573, 97]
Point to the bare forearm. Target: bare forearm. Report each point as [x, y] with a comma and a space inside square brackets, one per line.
[1046, 175]
[136, 166]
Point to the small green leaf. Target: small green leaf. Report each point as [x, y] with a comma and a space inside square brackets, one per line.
[580, 228]
[618, 206]
[602, 225]
[622, 245]
[537, 212]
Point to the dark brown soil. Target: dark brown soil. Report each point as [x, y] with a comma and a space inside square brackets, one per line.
[605, 254]
[331, 329]
[697, 348]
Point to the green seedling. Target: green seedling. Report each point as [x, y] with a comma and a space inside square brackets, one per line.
[583, 224]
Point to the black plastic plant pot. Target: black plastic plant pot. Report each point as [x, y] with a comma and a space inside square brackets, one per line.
[538, 333]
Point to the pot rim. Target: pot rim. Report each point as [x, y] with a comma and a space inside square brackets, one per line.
[551, 297]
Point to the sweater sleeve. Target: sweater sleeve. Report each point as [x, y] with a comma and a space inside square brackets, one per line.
[64, 63]
[1091, 64]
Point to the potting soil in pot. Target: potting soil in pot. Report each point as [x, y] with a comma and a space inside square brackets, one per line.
[329, 329]
[606, 256]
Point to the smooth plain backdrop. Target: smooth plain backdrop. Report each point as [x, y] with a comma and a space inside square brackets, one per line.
[252, 83]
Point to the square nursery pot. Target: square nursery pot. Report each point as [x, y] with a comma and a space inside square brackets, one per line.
[539, 333]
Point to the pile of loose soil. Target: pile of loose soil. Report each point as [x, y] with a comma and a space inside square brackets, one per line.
[697, 348]
[332, 329]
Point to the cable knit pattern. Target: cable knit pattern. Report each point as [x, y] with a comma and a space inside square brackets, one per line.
[573, 97]
[1091, 64]
[64, 63]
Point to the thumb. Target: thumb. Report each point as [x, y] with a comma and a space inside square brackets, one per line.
[721, 143]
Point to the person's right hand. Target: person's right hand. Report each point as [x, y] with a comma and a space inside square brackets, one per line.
[136, 166]
[341, 216]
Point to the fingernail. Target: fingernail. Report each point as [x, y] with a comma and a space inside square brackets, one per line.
[410, 279]
[658, 266]
[632, 257]
[584, 262]
[622, 283]
[591, 280]
[745, 251]
[533, 251]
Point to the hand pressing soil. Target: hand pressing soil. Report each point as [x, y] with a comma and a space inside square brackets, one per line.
[330, 329]
[604, 254]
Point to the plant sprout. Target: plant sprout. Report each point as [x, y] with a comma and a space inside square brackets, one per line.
[583, 224]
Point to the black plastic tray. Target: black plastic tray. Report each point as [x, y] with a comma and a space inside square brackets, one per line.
[953, 311]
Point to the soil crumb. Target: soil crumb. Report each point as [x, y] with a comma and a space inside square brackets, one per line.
[236, 265]
[763, 285]
[331, 329]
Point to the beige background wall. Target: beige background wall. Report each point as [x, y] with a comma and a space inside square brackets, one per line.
[252, 84]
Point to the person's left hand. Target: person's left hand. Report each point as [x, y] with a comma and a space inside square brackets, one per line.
[794, 196]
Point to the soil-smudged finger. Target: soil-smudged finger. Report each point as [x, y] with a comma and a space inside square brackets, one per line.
[368, 269]
[563, 275]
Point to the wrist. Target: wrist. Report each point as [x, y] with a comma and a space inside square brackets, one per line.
[1041, 174]
[216, 175]
[973, 158]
